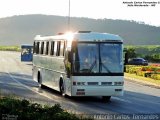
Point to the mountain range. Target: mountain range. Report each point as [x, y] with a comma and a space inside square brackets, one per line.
[22, 29]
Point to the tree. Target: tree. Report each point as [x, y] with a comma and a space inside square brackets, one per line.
[131, 53]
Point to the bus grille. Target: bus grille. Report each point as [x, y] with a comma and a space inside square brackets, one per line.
[106, 83]
[92, 83]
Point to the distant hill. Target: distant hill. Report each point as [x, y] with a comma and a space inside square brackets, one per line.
[22, 29]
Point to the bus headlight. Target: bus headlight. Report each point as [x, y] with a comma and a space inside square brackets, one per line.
[118, 83]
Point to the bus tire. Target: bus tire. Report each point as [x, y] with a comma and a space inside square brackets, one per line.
[39, 79]
[61, 87]
[106, 98]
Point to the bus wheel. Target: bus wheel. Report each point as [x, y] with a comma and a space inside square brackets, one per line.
[39, 80]
[61, 85]
[106, 98]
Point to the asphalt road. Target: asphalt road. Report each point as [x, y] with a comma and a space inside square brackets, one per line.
[16, 79]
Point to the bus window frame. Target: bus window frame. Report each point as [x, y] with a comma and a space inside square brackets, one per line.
[55, 48]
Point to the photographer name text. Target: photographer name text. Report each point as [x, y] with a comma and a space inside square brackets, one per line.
[141, 3]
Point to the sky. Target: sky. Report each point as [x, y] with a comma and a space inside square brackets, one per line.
[96, 9]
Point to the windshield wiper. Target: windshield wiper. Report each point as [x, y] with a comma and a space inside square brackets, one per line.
[92, 66]
[106, 68]
[101, 64]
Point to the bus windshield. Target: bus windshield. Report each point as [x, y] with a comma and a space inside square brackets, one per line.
[98, 58]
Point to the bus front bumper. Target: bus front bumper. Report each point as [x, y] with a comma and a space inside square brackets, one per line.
[97, 91]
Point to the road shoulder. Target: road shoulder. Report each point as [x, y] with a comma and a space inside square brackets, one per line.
[140, 80]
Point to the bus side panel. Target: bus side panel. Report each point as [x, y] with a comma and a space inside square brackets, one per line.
[48, 77]
[35, 73]
[56, 65]
[51, 69]
[35, 68]
[68, 86]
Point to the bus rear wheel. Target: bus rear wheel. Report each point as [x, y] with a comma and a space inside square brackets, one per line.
[106, 98]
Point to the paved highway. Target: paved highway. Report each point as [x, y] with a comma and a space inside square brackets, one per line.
[16, 79]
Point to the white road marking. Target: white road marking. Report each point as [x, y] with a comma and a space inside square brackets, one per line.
[123, 100]
[30, 88]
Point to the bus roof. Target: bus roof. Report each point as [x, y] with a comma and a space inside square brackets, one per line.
[96, 36]
[90, 36]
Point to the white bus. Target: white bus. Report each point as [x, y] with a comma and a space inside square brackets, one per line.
[80, 64]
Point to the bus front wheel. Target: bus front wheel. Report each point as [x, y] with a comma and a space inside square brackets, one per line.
[106, 98]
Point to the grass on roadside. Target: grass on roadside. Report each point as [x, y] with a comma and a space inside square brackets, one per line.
[10, 48]
[145, 79]
[22, 109]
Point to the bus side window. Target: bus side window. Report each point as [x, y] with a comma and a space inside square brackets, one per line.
[52, 48]
[58, 48]
[64, 48]
[42, 47]
[37, 48]
[47, 48]
[34, 47]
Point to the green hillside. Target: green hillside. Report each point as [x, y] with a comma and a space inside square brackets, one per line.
[21, 29]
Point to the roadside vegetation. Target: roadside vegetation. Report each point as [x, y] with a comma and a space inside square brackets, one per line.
[10, 48]
[17, 109]
[148, 52]
[150, 73]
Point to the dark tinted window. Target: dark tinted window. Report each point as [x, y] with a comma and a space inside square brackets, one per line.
[47, 47]
[42, 47]
[52, 48]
